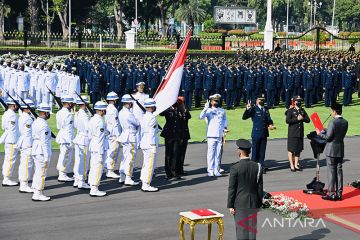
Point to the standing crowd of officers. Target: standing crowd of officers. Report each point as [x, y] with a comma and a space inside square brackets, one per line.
[252, 77]
[241, 77]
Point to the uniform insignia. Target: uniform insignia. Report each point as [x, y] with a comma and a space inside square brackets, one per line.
[46, 133]
[101, 130]
[116, 118]
[12, 123]
[71, 122]
[27, 125]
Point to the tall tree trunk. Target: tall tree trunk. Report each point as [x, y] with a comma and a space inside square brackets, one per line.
[63, 16]
[118, 19]
[2, 9]
[34, 15]
[162, 20]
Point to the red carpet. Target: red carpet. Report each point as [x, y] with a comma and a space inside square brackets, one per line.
[345, 213]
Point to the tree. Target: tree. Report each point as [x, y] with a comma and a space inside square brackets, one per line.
[33, 11]
[118, 13]
[50, 15]
[192, 12]
[4, 12]
[60, 7]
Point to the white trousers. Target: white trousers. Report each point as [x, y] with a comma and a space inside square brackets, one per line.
[23, 94]
[41, 167]
[10, 159]
[96, 168]
[213, 155]
[48, 98]
[38, 97]
[112, 154]
[65, 157]
[149, 163]
[138, 137]
[26, 165]
[81, 164]
[128, 159]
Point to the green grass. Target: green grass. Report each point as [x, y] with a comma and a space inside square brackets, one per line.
[242, 128]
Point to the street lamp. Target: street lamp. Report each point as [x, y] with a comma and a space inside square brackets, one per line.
[316, 6]
[69, 23]
[332, 20]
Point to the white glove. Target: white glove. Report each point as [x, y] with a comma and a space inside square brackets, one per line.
[207, 105]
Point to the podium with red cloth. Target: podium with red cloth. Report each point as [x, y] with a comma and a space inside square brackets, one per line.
[201, 216]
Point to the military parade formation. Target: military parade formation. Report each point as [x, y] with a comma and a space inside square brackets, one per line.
[121, 115]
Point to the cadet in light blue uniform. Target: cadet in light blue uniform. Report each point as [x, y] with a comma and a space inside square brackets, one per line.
[217, 125]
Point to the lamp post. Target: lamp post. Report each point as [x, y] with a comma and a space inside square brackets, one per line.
[316, 6]
[69, 23]
[287, 22]
[269, 32]
[332, 20]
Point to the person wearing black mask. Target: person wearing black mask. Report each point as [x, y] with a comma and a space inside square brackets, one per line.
[295, 118]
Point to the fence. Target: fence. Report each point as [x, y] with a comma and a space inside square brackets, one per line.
[56, 40]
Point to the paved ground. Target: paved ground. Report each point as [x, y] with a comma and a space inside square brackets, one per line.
[128, 213]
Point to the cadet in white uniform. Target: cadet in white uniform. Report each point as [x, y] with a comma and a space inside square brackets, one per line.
[129, 125]
[113, 126]
[40, 83]
[34, 76]
[10, 137]
[23, 82]
[81, 142]
[65, 124]
[149, 145]
[41, 151]
[51, 80]
[98, 147]
[138, 112]
[13, 82]
[217, 125]
[74, 83]
[24, 144]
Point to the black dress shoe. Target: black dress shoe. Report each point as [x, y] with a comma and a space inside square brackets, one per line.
[293, 170]
[329, 197]
[298, 169]
[265, 169]
[338, 198]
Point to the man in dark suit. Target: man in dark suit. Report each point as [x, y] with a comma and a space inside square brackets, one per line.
[262, 122]
[245, 191]
[334, 151]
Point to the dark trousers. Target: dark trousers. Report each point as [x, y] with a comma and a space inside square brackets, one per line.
[188, 99]
[238, 95]
[288, 95]
[308, 98]
[222, 93]
[172, 147]
[329, 97]
[197, 96]
[347, 98]
[245, 223]
[96, 96]
[317, 95]
[335, 175]
[82, 84]
[230, 98]
[259, 149]
[270, 98]
[207, 94]
[250, 96]
[182, 152]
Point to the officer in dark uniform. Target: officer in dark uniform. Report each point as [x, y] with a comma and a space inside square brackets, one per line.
[96, 80]
[171, 133]
[230, 86]
[348, 80]
[262, 122]
[140, 74]
[129, 79]
[187, 86]
[328, 86]
[245, 192]
[185, 134]
[209, 82]
[270, 85]
[198, 84]
[298, 90]
[117, 82]
[153, 80]
[317, 84]
[295, 117]
[308, 83]
[239, 85]
[288, 80]
[249, 84]
[219, 81]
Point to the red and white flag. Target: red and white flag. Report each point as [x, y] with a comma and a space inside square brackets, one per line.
[167, 93]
